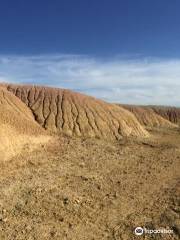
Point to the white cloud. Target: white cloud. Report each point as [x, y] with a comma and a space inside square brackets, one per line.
[138, 81]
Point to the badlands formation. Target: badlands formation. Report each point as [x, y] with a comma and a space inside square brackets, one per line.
[77, 168]
[77, 114]
[153, 117]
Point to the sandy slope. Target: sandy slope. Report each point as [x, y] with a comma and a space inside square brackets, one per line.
[17, 126]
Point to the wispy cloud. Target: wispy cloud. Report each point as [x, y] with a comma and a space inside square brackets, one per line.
[138, 81]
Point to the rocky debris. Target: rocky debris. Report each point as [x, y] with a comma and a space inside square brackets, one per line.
[3, 216]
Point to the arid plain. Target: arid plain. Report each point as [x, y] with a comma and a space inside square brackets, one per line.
[74, 167]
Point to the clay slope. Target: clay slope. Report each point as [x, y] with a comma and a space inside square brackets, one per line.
[15, 113]
[148, 117]
[77, 114]
[170, 113]
[17, 126]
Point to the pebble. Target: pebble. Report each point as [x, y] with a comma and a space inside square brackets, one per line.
[66, 200]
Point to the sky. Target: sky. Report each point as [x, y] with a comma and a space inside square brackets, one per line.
[118, 50]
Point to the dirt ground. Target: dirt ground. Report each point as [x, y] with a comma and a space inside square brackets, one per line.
[77, 189]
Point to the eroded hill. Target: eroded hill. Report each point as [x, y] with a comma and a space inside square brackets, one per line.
[77, 114]
[150, 117]
[170, 113]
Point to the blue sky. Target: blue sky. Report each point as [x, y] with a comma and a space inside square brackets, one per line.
[118, 50]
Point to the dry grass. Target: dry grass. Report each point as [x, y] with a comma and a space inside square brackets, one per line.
[12, 143]
[74, 188]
